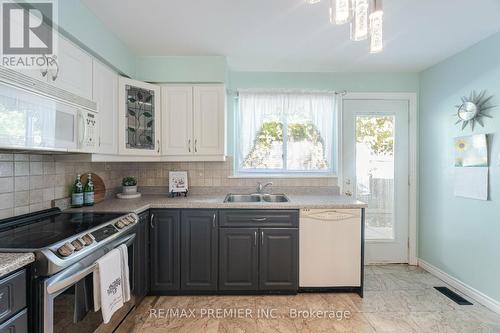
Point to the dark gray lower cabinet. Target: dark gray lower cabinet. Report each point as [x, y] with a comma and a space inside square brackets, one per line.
[258, 259]
[199, 243]
[238, 259]
[16, 324]
[252, 251]
[278, 259]
[165, 254]
[141, 265]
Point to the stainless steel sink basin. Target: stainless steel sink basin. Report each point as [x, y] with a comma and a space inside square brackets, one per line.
[275, 198]
[256, 197]
[242, 198]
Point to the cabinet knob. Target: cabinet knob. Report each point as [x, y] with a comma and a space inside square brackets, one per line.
[189, 145]
[46, 69]
[195, 145]
[151, 224]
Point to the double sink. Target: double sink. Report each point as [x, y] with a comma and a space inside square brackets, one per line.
[256, 197]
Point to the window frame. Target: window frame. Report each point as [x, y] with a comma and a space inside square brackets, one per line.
[284, 173]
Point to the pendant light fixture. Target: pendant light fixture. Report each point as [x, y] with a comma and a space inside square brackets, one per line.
[365, 16]
[340, 11]
[359, 23]
[376, 27]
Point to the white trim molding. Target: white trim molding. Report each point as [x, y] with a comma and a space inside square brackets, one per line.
[465, 289]
[412, 162]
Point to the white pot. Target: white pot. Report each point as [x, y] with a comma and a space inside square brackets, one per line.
[129, 189]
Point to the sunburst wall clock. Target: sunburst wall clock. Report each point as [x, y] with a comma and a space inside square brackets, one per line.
[472, 109]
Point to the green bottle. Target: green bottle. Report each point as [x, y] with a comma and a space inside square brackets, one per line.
[77, 195]
[88, 192]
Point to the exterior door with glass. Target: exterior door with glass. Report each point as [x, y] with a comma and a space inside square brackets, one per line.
[375, 170]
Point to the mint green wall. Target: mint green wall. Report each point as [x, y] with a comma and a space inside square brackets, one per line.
[352, 82]
[84, 28]
[181, 69]
[459, 236]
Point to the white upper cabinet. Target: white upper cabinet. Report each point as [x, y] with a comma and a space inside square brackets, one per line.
[139, 118]
[209, 119]
[193, 122]
[72, 70]
[177, 120]
[105, 93]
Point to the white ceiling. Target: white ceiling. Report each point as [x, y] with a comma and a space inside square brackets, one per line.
[290, 35]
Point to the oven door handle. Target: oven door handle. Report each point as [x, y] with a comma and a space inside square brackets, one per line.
[61, 282]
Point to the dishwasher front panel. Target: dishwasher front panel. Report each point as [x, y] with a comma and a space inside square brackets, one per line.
[330, 248]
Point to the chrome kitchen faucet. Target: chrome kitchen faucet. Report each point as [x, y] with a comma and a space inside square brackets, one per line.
[261, 188]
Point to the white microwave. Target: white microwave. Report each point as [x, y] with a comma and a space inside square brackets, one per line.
[34, 121]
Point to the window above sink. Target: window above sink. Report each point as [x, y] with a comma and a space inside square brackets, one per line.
[288, 134]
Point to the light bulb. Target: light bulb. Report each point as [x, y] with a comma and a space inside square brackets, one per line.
[312, 2]
[340, 11]
[359, 25]
[376, 31]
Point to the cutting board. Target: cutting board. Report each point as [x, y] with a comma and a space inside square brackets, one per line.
[99, 187]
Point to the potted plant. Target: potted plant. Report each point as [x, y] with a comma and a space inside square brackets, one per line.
[129, 185]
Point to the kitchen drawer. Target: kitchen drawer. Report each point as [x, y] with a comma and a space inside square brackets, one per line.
[259, 218]
[12, 294]
[16, 324]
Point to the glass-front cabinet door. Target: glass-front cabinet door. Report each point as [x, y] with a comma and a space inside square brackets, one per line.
[139, 125]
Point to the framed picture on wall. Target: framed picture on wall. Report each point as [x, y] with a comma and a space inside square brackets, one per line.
[178, 181]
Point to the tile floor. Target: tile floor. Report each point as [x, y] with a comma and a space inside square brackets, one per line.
[398, 298]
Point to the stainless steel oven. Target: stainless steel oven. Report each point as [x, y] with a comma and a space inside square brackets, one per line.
[68, 304]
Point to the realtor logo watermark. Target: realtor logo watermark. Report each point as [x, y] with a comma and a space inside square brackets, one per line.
[29, 33]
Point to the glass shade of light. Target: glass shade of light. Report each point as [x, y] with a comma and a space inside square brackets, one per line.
[340, 11]
[376, 31]
[359, 25]
[312, 2]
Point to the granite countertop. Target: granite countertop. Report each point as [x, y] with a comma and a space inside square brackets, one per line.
[216, 201]
[10, 262]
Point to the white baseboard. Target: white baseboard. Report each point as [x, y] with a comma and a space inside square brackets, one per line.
[467, 290]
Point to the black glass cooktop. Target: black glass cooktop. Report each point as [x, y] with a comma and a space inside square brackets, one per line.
[34, 232]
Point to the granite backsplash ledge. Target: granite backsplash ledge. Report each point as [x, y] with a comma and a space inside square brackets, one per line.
[30, 182]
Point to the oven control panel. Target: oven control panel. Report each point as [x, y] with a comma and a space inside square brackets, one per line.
[119, 225]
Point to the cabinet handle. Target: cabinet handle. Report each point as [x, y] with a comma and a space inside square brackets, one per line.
[213, 221]
[262, 237]
[255, 238]
[195, 145]
[189, 145]
[151, 224]
[259, 219]
[158, 144]
[54, 76]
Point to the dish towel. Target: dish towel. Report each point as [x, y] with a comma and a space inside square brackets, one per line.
[111, 282]
[125, 273]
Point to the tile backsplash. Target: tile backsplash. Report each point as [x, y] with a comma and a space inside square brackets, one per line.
[30, 182]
